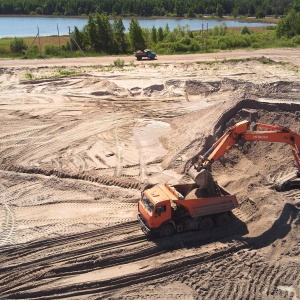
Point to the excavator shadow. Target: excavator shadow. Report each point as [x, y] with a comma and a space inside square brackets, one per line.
[279, 229]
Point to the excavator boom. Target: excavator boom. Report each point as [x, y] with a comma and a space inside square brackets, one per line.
[222, 145]
[240, 131]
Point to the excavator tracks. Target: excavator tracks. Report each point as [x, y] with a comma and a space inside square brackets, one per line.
[287, 182]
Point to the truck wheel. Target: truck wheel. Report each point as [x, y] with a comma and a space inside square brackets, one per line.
[206, 223]
[223, 219]
[166, 230]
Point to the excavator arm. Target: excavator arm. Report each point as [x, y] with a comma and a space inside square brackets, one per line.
[239, 131]
[222, 145]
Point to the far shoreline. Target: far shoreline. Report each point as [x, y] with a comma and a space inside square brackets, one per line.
[267, 20]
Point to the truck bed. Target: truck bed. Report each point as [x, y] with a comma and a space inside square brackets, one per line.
[205, 205]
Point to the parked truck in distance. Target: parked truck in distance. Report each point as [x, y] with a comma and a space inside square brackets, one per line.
[166, 209]
[146, 53]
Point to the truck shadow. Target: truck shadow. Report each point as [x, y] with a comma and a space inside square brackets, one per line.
[234, 232]
[197, 238]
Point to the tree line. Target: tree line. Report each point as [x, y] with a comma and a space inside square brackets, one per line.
[101, 35]
[104, 36]
[147, 8]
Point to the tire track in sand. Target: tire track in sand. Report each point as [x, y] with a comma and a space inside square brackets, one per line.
[9, 222]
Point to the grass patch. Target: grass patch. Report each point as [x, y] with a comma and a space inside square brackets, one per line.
[156, 65]
[67, 73]
[263, 60]
[132, 63]
[29, 76]
[119, 63]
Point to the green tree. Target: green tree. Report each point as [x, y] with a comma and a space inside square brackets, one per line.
[119, 34]
[157, 11]
[154, 35]
[260, 14]
[137, 39]
[92, 33]
[167, 30]
[80, 38]
[219, 11]
[104, 33]
[235, 12]
[296, 5]
[160, 34]
[251, 10]
[179, 8]
[289, 26]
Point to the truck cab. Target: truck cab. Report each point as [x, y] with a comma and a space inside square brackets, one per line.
[154, 209]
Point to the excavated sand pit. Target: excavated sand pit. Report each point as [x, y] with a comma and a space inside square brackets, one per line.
[77, 150]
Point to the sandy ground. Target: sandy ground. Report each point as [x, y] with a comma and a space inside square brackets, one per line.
[80, 139]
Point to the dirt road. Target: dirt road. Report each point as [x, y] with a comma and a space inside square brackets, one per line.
[80, 138]
[280, 55]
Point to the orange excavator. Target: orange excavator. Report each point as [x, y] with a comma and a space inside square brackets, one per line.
[240, 131]
[168, 209]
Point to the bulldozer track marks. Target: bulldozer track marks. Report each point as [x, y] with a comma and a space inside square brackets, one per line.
[105, 180]
[79, 247]
[224, 263]
[256, 279]
[157, 274]
[8, 227]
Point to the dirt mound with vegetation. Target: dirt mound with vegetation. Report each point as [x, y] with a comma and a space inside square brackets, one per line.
[78, 147]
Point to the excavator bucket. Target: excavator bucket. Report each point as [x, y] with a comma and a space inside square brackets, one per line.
[205, 181]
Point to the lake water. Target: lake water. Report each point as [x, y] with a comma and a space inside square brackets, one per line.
[28, 26]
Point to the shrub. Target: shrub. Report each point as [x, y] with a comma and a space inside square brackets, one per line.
[52, 50]
[4, 50]
[34, 50]
[18, 45]
[179, 47]
[296, 39]
[222, 45]
[245, 30]
[194, 46]
[186, 41]
[119, 63]
[255, 45]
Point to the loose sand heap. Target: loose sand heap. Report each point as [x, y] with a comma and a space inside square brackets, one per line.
[79, 143]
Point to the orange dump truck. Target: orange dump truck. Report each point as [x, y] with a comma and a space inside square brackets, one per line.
[166, 209]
